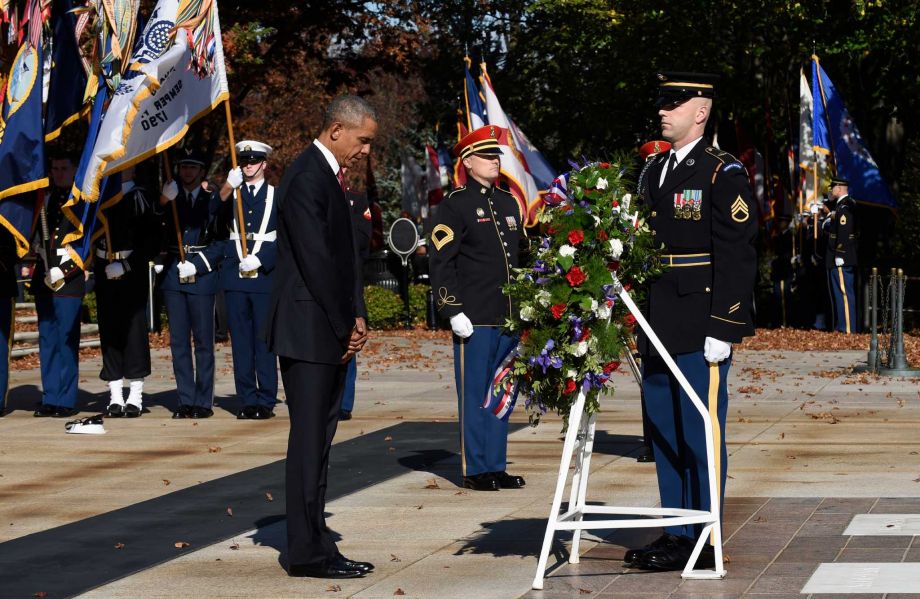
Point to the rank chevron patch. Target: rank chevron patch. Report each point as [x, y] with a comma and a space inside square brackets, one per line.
[446, 236]
[740, 211]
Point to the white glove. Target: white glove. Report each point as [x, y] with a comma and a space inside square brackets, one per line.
[113, 270]
[235, 177]
[170, 190]
[55, 275]
[838, 261]
[461, 325]
[158, 268]
[250, 263]
[715, 351]
[187, 269]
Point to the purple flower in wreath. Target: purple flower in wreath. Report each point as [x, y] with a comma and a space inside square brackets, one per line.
[539, 267]
[542, 281]
[591, 380]
[576, 327]
[545, 360]
[545, 243]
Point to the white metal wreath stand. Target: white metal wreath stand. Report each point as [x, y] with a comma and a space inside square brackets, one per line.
[579, 440]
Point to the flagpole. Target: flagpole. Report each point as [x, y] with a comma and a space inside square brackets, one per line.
[238, 197]
[175, 211]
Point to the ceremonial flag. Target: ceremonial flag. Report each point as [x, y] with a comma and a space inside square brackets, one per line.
[444, 161]
[475, 110]
[462, 131]
[539, 167]
[836, 135]
[513, 164]
[813, 164]
[172, 81]
[67, 80]
[22, 143]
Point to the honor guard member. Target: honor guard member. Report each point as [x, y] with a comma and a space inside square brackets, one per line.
[474, 246]
[247, 282]
[701, 210]
[189, 287]
[9, 289]
[840, 256]
[123, 250]
[58, 284]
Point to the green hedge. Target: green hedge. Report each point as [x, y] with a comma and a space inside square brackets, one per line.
[385, 308]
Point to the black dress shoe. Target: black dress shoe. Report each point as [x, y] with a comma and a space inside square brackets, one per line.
[115, 410]
[675, 557]
[327, 571]
[132, 411]
[344, 414]
[343, 562]
[481, 482]
[646, 456]
[183, 411]
[200, 412]
[246, 413]
[263, 413]
[633, 555]
[44, 410]
[62, 412]
[508, 481]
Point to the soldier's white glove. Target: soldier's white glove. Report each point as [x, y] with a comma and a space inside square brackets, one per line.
[170, 190]
[187, 269]
[461, 325]
[158, 268]
[235, 177]
[838, 261]
[715, 351]
[113, 270]
[795, 260]
[250, 263]
[55, 275]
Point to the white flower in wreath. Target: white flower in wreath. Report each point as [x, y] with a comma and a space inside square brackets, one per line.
[581, 348]
[625, 201]
[593, 306]
[527, 313]
[603, 312]
[597, 220]
[616, 248]
[602, 183]
[571, 373]
[567, 251]
[543, 298]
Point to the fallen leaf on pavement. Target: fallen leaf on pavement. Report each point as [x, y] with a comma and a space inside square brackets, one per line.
[213, 449]
[432, 484]
[269, 497]
[235, 546]
[165, 482]
[399, 592]
[388, 438]
[393, 558]
[119, 545]
[181, 544]
[230, 511]
[333, 588]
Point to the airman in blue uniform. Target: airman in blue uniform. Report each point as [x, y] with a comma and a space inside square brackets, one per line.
[189, 286]
[247, 280]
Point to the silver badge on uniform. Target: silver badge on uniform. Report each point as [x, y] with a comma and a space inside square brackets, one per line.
[512, 224]
[480, 212]
[691, 162]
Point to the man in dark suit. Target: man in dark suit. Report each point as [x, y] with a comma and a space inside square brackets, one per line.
[316, 324]
[702, 211]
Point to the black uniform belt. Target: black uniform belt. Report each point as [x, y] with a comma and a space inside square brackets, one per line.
[187, 248]
[686, 259]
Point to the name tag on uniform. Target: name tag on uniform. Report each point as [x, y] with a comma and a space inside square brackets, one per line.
[512, 224]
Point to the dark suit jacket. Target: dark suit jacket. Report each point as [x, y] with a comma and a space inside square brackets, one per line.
[317, 288]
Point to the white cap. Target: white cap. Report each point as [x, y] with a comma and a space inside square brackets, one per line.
[252, 149]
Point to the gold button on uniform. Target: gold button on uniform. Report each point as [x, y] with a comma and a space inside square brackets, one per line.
[654, 214]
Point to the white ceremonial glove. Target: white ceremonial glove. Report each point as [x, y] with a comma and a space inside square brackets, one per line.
[250, 263]
[235, 177]
[158, 268]
[187, 269]
[113, 270]
[55, 275]
[170, 190]
[715, 351]
[461, 325]
[838, 261]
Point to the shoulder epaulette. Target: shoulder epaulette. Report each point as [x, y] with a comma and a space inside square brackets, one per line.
[720, 155]
[455, 191]
[505, 190]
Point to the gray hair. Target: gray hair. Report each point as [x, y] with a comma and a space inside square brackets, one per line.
[348, 110]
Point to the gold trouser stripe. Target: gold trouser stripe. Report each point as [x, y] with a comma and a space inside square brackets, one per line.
[462, 404]
[846, 302]
[9, 350]
[716, 432]
[782, 300]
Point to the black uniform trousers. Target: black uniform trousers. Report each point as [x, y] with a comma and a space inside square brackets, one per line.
[122, 309]
[314, 396]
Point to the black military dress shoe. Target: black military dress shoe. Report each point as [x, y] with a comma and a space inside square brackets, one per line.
[327, 571]
[675, 556]
[632, 556]
[115, 410]
[646, 456]
[343, 562]
[481, 482]
[183, 411]
[44, 410]
[344, 414]
[62, 412]
[263, 413]
[246, 413]
[508, 481]
[200, 412]
[132, 411]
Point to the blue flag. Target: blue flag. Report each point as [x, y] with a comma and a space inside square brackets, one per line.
[835, 133]
[17, 215]
[475, 109]
[22, 143]
[67, 82]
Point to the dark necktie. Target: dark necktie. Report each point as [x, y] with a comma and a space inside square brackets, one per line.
[191, 199]
[252, 190]
[672, 164]
[341, 177]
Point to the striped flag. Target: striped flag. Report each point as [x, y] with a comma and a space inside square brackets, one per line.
[502, 394]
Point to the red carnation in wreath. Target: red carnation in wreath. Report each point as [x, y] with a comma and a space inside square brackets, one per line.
[575, 277]
[576, 236]
[558, 310]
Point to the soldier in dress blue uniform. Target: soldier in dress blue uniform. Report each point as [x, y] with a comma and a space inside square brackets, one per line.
[58, 284]
[189, 287]
[247, 282]
[701, 210]
[123, 250]
[474, 246]
[840, 256]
